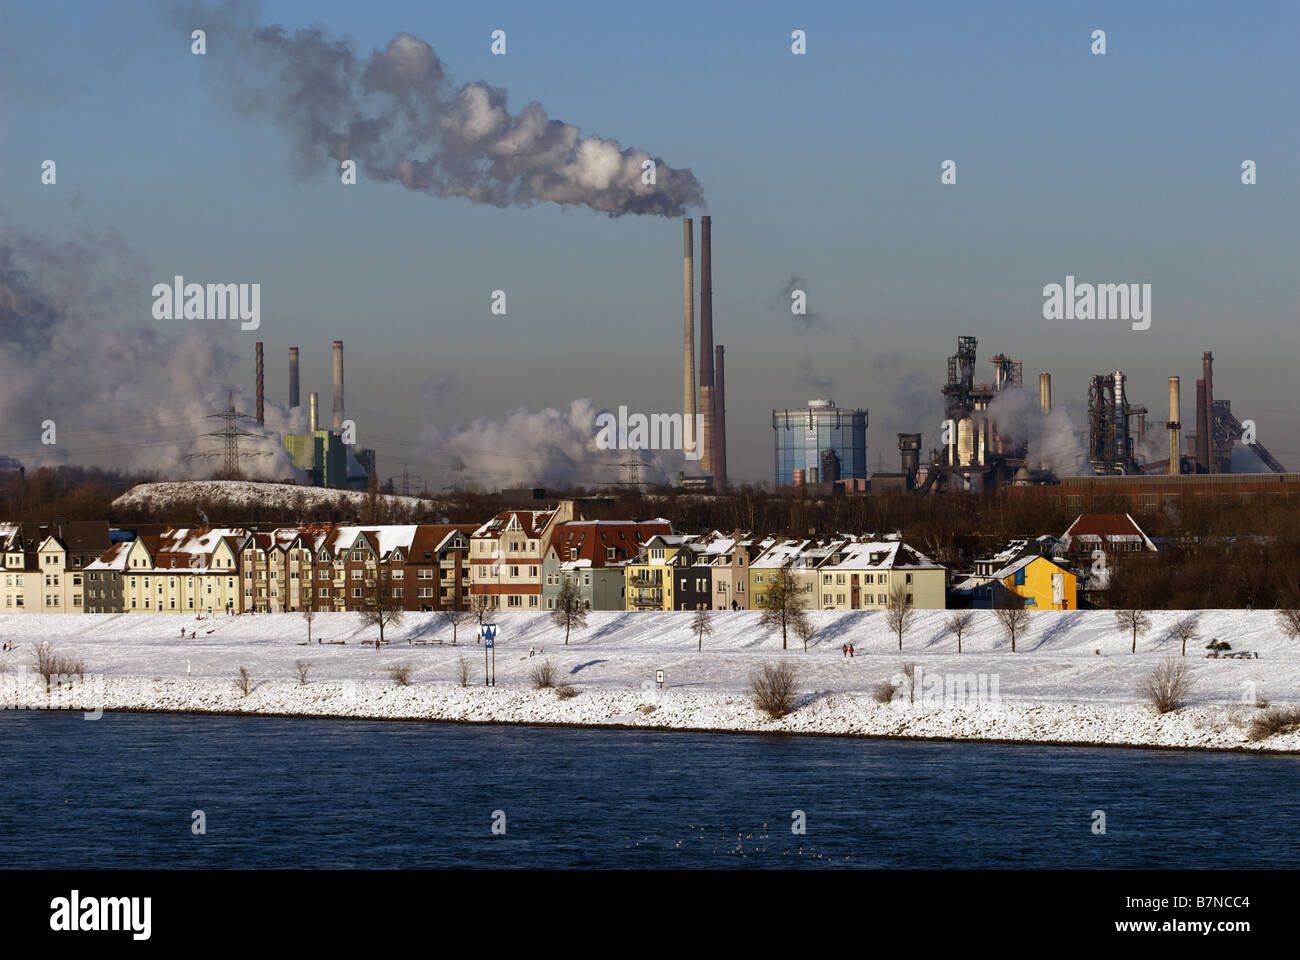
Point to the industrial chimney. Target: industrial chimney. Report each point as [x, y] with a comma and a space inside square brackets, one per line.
[1202, 430]
[1211, 454]
[1045, 393]
[1175, 428]
[909, 453]
[689, 440]
[706, 345]
[313, 423]
[338, 385]
[261, 387]
[293, 377]
[720, 428]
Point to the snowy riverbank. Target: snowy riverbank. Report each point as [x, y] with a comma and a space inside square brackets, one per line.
[1073, 679]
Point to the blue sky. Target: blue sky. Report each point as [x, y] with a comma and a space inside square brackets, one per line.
[1115, 168]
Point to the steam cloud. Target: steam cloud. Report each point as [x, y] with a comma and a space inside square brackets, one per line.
[121, 395]
[550, 446]
[396, 113]
[1052, 439]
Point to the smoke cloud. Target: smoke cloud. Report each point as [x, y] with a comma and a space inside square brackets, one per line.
[1052, 440]
[120, 395]
[545, 447]
[398, 114]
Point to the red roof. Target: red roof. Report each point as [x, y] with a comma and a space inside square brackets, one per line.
[593, 538]
[1104, 525]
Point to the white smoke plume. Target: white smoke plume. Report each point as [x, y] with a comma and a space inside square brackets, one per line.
[120, 394]
[546, 447]
[396, 113]
[1052, 440]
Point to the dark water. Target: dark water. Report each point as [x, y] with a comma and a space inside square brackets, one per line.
[120, 792]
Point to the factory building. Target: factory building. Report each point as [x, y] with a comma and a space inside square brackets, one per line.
[819, 443]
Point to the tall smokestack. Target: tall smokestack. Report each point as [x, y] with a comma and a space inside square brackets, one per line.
[293, 377]
[261, 387]
[706, 344]
[1211, 455]
[338, 384]
[689, 440]
[313, 423]
[1045, 393]
[1202, 430]
[1175, 428]
[720, 411]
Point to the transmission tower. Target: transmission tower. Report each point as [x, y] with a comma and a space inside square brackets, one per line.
[409, 480]
[230, 435]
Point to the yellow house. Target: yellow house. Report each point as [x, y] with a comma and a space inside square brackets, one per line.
[184, 571]
[648, 580]
[861, 575]
[1037, 583]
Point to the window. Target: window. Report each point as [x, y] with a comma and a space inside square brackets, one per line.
[514, 600]
[356, 592]
[826, 579]
[399, 574]
[356, 574]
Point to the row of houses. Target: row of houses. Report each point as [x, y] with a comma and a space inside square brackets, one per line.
[521, 560]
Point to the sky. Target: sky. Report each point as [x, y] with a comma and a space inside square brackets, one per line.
[820, 171]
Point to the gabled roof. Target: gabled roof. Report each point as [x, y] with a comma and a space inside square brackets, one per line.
[592, 540]
[114, 558]
[1110, 527]
[531, 522]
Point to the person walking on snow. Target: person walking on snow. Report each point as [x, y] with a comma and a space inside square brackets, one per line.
[850, 651]
[844, 651]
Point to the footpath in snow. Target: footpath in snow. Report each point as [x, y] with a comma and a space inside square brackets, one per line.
[1072, 680]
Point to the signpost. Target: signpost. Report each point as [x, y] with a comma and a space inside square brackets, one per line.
[488, 631]
[659, 678]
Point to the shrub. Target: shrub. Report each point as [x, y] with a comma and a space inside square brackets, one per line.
[543, 675]
[883, 692]
[462, 671]
[400, 673]
[243, 681]
[1218, 645]
[302, 666]
[566, 691]
[1167, 686]
[1273, 721]
[773, 687]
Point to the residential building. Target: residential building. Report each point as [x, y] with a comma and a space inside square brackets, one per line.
[861, 573]
[592, 554]
[506, 556]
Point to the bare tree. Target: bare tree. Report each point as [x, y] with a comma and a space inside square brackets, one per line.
[702, 625]
[243, 682]
[455, 618]
[1013, 617]
[1288, 618]
[1186, 629]
[959, 623]
[462, 672]
[302, 666]
[569, 612]
[381, 608]
[899, 611]
[309, 615]
[805, 629]
[1135, 620]
[773, 687]
[783, 608]
[1167, 686]
[481, 606]
[400, 673]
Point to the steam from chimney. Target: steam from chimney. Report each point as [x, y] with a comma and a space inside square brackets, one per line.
[293, 377]
[338, 385]
[399, 115]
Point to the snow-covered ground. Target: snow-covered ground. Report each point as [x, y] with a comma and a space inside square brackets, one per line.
[1073, 679]
[237, 493]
